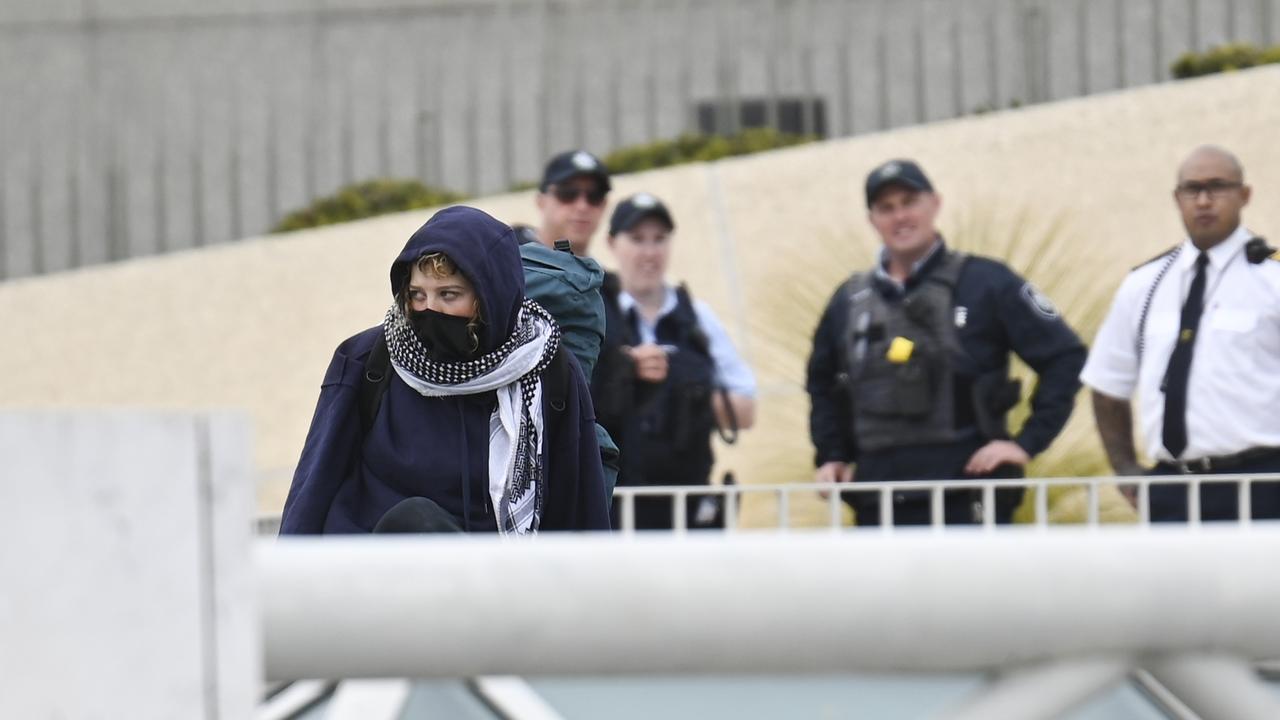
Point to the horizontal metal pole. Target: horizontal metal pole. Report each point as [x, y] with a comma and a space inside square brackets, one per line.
[928, 485]
[814, 602]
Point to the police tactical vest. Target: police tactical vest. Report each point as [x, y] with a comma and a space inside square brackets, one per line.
[663, 431]
[898, 359]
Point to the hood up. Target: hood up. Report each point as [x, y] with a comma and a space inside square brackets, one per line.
[486, 252]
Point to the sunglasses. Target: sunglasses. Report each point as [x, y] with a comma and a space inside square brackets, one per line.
[568, 194]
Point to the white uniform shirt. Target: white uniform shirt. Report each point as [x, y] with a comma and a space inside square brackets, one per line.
[732, 372]
[1233, 393]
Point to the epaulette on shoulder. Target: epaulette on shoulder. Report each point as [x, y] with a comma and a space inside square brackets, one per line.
[1161, 256]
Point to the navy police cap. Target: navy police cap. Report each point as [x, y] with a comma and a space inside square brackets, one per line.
[904, 173]
[638, 207]
[572, 163]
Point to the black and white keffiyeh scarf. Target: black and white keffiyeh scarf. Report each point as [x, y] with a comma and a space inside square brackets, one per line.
[514, 372]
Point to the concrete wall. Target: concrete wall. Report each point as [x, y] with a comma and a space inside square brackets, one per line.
[1071, 193]
[135, 127]
[125, 562]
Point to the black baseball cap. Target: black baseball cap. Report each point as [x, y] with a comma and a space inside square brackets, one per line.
[572, 163]
[904, 173]
[639, 207]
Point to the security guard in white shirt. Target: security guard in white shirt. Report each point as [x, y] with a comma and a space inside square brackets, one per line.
[1196, 333]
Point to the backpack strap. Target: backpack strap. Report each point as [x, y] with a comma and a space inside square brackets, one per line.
[555, 380]
[610, 287]
[373, 385]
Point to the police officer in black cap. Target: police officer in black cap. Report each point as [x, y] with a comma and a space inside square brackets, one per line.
[668, 375]
[909, 373]
[559, 275]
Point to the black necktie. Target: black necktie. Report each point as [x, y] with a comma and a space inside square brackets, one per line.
[1175, 378]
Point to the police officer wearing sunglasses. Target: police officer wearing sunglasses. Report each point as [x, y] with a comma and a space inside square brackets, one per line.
[1195, 334]
[558, 275]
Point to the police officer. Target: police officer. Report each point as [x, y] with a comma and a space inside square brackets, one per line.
[909, 373]
[1195, 332]
[558, 275]
[668, 374]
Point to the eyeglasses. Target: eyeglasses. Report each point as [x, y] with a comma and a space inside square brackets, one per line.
[569, 194]
[1215, 189]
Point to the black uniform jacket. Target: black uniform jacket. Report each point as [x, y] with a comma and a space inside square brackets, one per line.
[996, 312]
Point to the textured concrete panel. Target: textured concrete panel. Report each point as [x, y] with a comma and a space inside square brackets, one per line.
[127, 591]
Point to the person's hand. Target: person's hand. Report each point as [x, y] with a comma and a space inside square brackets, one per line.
[833, 472]
[994, 454]
[650, 361]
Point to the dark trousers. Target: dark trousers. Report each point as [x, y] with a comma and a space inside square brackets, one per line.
[929, 462]
[1218, 501]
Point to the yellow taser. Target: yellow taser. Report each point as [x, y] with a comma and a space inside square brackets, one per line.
[899, 350]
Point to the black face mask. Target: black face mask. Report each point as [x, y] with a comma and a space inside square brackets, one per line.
[446, 337]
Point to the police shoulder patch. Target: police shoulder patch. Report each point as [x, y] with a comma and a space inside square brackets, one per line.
[1161, 256]
[1039, 302]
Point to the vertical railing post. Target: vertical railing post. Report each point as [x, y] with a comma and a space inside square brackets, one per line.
[1042, 505]
[1193, 501]
[730, 497]
[1244, 502]
[833, 506]
[988, 505]
[885, 496]
[1093, 514]
[678, 512]
[937, 509]
[628, 513]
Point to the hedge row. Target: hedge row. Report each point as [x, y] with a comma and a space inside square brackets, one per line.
[377, 197]
[1224, 58]
[366, 199]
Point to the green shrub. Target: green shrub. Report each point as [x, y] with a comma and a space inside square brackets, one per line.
[366, 199]
[1224, 58]
[699, 148]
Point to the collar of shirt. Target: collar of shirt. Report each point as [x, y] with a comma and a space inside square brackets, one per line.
[917, 268]
[1219, 255]
[627, 302]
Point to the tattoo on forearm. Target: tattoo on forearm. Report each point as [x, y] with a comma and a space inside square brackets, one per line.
[1115, 426]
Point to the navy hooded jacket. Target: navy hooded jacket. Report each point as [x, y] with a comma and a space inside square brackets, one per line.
[437, 447]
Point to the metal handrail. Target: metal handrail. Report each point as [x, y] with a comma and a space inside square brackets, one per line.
[884, 491]
[625, 497]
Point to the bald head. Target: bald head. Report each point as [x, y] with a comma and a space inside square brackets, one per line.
[1210, 195]
[1216, 160]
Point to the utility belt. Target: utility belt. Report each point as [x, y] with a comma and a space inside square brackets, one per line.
[1219, 463]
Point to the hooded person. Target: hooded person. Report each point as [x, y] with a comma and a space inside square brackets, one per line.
[469, 419]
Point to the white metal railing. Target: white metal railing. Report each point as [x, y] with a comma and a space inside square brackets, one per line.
[730, 496]
[885, 492]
